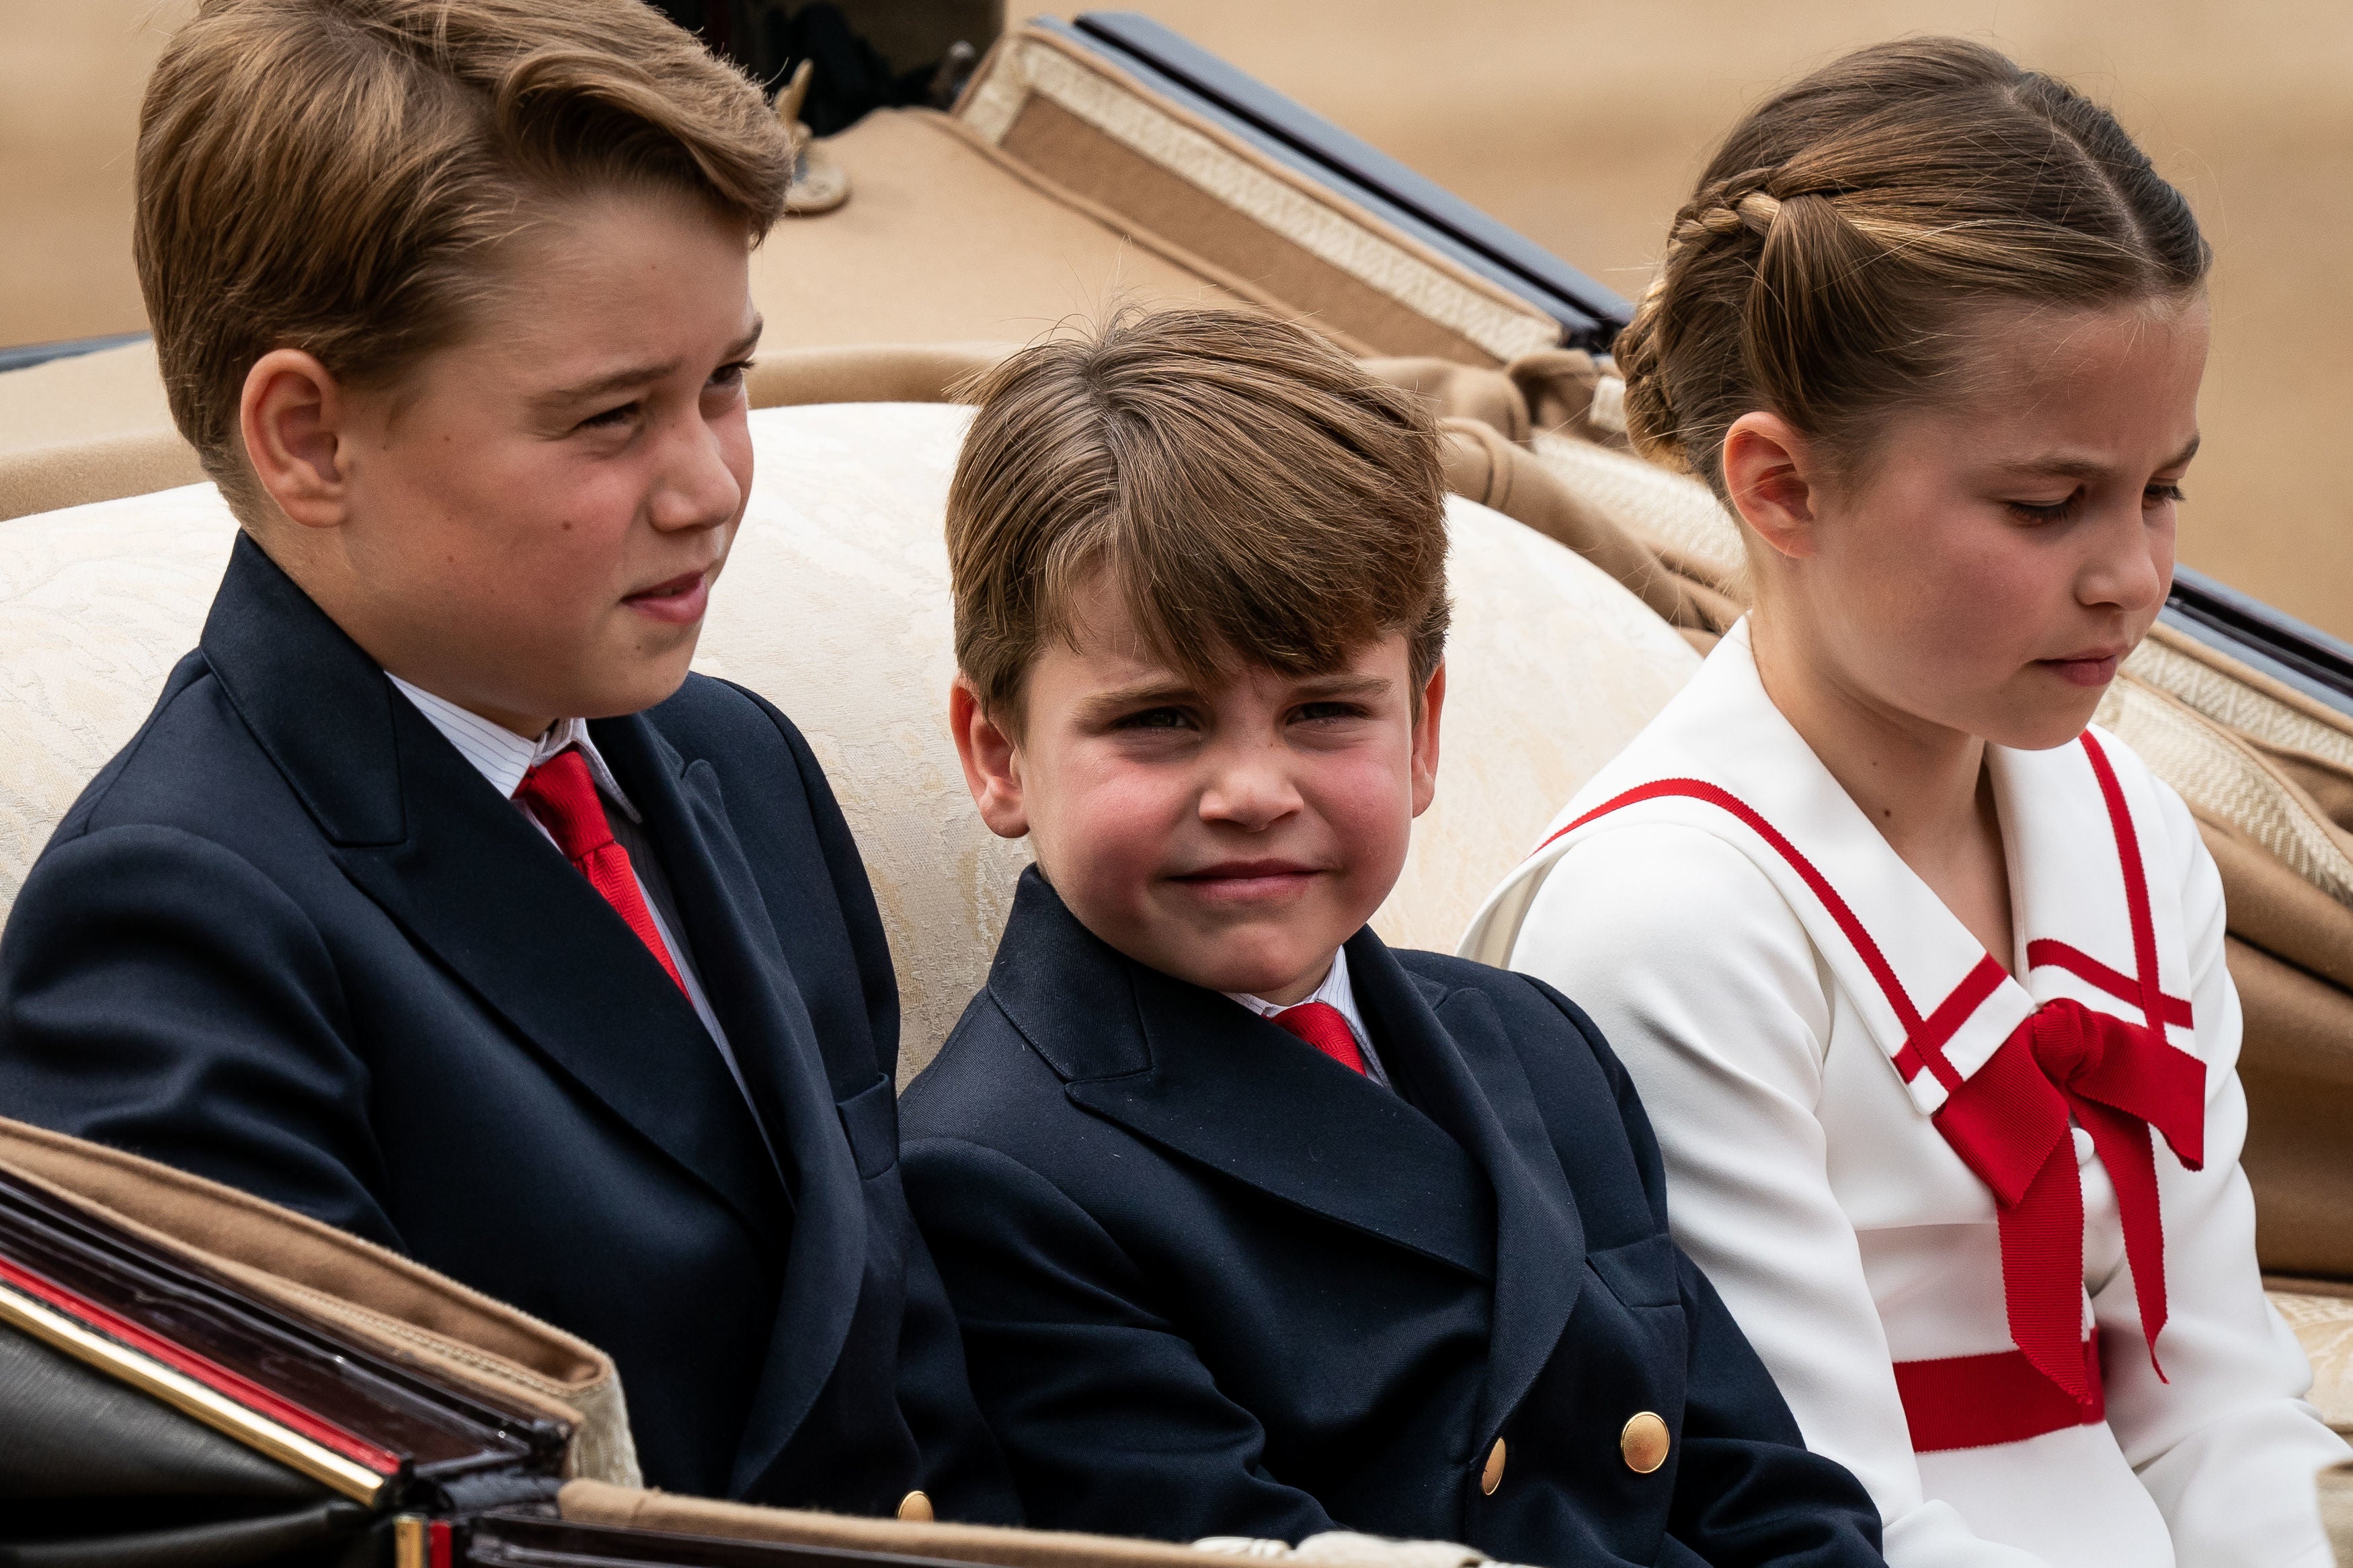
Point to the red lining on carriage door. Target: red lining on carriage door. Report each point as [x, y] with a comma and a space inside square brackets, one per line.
[211, 1374]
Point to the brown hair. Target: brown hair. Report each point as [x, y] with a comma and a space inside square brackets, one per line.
[333, 175]
[1823, 268]
[1253, 492]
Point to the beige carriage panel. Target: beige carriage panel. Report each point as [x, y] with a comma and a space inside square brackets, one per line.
[2336, 1509]
[2322, 1316]
[86, 428]
[945, 239]
[2221, 775]
[1163, 172]
[1675, 515]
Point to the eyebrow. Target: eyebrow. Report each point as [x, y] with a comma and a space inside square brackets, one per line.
[1325, 688]
[2063, 467]
[627, 376]
[1156, 694]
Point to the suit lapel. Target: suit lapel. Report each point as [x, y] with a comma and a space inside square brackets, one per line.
[468, 880]
[753, 993]
[475, 884]
[1190, 1071]
[1464, 1071]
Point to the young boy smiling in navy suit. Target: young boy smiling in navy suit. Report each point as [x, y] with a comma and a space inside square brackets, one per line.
[1255, 1227]
[436, 899]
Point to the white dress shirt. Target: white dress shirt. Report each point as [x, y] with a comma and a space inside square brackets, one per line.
[1334, 991]
[504, 757]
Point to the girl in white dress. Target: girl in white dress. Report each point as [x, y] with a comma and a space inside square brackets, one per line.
[1922, 980]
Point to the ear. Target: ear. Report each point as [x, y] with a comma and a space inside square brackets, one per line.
[1425, 740]
[992, 764]
[294, 416]
[1770, 473]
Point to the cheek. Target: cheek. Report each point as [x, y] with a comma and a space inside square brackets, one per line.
[1105, 817]
[564, 529]
[535, 511]
[1951, 593]
[1365, 796]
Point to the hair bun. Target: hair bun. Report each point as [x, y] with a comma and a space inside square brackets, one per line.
[1818, 270]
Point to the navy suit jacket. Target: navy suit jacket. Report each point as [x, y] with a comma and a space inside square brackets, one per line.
[1213, 1283]
[291, 939]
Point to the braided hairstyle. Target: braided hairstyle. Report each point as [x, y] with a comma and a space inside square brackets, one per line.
[1823, 267]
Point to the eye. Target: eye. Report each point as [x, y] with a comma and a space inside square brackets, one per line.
[1164, 718]
[1328, 712]
[2162, 494]
[610, 417]
[731, 375]
[2054, 511]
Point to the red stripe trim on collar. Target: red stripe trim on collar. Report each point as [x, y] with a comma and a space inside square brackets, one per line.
[2044, 952]
[2144, 928]
[1699, 789]
[1923, 1042]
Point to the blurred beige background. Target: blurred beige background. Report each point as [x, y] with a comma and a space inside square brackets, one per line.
[1581, 125]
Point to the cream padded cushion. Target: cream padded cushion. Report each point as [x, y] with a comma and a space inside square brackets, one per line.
[835, 606]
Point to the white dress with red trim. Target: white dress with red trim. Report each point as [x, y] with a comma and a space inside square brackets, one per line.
[1989, 1232]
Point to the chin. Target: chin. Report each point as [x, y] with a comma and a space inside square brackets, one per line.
[620, 699]
[1251, 973]
[2044, 730]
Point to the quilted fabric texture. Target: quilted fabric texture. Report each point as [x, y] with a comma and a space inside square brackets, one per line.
[2323, 1324]
[835, 606]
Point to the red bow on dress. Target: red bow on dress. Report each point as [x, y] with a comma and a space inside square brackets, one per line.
[2008, 1121]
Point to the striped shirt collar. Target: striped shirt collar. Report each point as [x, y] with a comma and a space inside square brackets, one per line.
[1336, 992]
[504, 757]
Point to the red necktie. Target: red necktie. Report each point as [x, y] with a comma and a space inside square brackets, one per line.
[1322, 1026]
[560, 792]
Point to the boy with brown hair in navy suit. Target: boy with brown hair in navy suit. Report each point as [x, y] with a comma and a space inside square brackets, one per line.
[436, 899]
[1255, 1227]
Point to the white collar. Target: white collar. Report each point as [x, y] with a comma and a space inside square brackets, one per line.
[504, 757]
[1337, 992]
[2067, 884]
[1334, 992]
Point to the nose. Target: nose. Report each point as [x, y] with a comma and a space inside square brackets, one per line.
[2131, 564]
[1249, 787]
[696, 484]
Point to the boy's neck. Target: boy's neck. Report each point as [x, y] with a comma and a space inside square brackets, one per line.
[1291, 996]
[528, 729]
[325, 579]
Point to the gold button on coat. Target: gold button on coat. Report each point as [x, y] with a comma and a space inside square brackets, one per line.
[1644, 1443]
[915, 1507]
[1492, 1476]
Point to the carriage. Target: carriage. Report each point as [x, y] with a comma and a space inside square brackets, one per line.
[188, 1375]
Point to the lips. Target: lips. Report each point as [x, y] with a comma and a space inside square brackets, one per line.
[1249, 881]
[2093, 667]
[680, 601]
